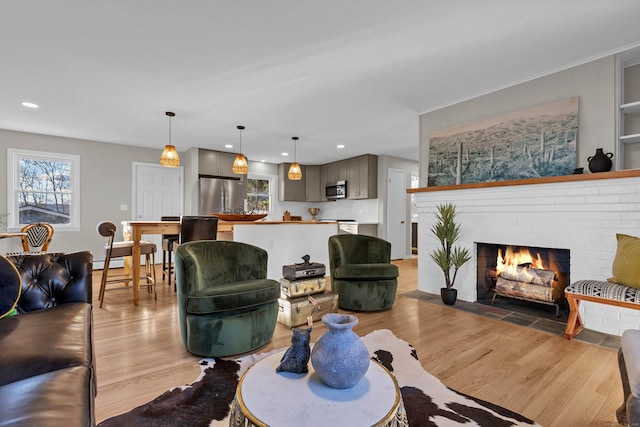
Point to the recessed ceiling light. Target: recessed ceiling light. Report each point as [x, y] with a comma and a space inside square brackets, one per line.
[30, 105]
[228, 146]
[340, 146]
[284, 153]
[263, 160]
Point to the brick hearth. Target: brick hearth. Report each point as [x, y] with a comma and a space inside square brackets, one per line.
[578, 213]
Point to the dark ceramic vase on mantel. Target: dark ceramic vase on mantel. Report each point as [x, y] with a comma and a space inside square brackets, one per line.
[449, 295]
[600, 162]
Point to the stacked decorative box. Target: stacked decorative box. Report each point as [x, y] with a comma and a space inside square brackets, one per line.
[303, 294]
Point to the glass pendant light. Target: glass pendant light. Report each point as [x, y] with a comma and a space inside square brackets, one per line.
[240, 165]
[169, 157]
[295, 172]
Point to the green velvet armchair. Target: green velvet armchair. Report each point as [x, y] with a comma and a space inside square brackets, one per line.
[362, 273]
[226, 304]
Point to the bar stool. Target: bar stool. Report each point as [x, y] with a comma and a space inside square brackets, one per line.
[169, 242]
[124, 249]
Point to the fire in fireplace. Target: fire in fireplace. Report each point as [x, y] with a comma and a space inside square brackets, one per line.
[532, 274]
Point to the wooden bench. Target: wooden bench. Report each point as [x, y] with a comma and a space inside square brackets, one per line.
[596, 291]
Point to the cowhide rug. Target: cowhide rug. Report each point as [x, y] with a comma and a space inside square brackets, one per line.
[428, 402]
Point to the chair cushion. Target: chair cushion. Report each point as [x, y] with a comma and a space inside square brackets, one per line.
[366, 271]
[169, 243]
[62, 334]
[58, 398]
[232, 296]
[125, 248]
[610, 290]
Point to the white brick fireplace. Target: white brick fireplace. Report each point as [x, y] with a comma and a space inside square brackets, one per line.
[581, 213]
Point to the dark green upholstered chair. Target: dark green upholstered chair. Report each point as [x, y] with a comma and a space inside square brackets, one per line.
[362, 273]
[226, 304]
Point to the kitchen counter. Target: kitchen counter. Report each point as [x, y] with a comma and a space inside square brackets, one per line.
[227, 226]
[286, 242]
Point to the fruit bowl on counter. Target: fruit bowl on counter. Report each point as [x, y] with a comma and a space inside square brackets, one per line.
[239, 217]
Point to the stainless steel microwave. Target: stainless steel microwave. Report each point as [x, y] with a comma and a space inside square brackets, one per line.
[336, 190]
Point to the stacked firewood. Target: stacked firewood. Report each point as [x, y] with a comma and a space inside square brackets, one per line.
[526, 282]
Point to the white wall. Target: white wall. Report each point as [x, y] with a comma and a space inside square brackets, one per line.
[582, 216]
[593, 82]
[105, 173]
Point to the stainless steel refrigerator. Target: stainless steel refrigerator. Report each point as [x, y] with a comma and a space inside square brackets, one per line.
[220, 194]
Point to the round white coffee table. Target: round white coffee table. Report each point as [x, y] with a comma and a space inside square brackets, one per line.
[267, 398]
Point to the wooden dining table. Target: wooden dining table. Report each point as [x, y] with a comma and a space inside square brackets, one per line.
[138, 228]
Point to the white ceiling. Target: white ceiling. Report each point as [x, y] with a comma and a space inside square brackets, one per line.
[352, 72]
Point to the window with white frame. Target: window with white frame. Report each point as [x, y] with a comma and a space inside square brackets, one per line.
[43, 187]
[259, 193]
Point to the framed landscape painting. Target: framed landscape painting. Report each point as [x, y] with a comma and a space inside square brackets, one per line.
[530, 143]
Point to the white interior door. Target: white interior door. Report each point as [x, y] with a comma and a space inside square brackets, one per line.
[157, 192]
[397, 212]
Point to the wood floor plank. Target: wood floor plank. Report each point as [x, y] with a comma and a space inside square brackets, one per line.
[556, 382]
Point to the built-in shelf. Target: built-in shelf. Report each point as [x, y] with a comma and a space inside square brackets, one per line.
[630, 139]
[630, 108]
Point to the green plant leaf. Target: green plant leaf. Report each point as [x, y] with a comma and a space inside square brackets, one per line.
[448, 257]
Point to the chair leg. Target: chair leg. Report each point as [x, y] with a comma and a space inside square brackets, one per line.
[103, 282]
[169, 270]
[153, 270]
[151, 274]
[164, 265]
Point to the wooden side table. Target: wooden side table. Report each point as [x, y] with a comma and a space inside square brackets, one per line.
[267, 398]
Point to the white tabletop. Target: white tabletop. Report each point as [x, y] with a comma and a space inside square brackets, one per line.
[287, 399]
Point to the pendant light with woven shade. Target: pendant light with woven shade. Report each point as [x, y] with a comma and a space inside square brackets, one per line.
[240, 165]
[169, 156]
[295, 171]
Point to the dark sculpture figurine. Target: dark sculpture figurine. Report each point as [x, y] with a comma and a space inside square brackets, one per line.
[296, 358]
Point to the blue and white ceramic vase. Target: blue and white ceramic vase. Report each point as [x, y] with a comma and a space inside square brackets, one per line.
[340, 357]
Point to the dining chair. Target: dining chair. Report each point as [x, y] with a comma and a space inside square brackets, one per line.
[125, 249]
[197, 227]
[38, 237]
[194, 228]
[169, 242]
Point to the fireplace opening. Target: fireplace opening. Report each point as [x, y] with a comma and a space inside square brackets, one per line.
[533, 276]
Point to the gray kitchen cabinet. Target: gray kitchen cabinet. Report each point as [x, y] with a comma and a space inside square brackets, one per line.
[315, 188]
[362, 181]
[216, 163]
[324, 174]
[337, 171]
[288, 190]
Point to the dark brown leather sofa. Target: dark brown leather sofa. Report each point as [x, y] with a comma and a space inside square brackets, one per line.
[47, 366]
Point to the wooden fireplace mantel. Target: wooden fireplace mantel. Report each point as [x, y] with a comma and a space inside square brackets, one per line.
[631, 173]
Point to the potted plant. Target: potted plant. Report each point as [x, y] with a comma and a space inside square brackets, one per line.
[448, 256]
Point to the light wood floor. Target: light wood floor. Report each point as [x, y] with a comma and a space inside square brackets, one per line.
[553, 381]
